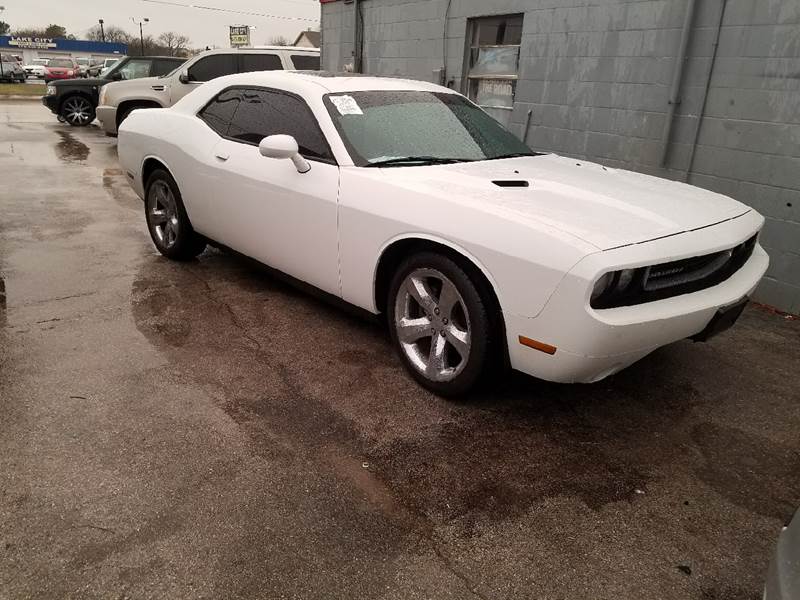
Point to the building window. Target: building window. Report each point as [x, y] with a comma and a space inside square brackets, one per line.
[494, 64]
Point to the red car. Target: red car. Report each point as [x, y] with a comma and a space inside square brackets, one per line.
[61, 68]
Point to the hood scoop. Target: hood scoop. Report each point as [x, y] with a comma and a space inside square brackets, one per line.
[511, 183]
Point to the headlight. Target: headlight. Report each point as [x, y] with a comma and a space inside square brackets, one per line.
[51, 90]
[612, 285]
[101, 99]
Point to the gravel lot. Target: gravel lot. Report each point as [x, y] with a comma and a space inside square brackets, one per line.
[203, 430]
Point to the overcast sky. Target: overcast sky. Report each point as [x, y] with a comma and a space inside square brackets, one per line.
[204, 27]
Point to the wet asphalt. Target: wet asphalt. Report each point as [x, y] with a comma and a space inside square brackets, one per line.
[203, 430]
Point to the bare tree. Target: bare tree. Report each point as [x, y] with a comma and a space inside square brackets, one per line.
[278, 40]
[174, 43]
[112, 34]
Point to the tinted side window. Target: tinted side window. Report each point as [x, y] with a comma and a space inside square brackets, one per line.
[162, 67]
[261, 62]
[305, 62]
[262, 113]
[220, 111]
[213, 66]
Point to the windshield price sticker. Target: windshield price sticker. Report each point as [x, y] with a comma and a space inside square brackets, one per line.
[346, 105]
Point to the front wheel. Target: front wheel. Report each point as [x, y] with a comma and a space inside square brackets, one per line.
[439, 323]
[77, 111]
[167, 220]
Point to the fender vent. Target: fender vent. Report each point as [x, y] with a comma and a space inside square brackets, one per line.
[511, 183]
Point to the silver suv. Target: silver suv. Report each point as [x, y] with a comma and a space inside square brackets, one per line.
[118, 99]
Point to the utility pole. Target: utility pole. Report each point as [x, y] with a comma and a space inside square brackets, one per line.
[102, 31]
[141, 33]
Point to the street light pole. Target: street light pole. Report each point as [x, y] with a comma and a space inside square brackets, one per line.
[141, 33]
[102, 31]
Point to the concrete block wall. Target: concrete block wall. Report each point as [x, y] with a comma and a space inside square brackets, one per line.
[596, 75]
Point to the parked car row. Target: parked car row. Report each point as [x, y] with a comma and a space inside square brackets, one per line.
[80, 67]
[158, 82]
[119, 100]
[75, 100]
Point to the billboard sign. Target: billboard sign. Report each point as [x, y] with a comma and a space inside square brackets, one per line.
[240, 36]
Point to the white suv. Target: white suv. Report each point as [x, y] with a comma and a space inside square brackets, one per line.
[118, 99]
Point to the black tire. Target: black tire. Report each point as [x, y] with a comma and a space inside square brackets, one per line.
[173, 237]
[77, 110]
[472, 310]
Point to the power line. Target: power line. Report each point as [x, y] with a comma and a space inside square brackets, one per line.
[247, 13]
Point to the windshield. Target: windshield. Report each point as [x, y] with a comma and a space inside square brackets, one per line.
[60, 63]
[112, 68]
[407, 127]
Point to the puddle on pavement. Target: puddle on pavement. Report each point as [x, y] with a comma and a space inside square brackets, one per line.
[116, 185]
[283, 362]
[70, 149]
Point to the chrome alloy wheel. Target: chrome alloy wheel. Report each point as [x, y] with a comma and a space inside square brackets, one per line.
[162, 211]
[77, 111]
[432, 324]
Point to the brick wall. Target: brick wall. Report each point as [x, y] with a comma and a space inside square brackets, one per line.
[596, 75]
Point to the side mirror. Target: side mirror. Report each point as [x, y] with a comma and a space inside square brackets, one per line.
[284, 146]
[184, 76]
[116, 76]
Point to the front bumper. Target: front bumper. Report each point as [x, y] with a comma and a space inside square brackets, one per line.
[593, 344]
[51, 102]
[107, 115]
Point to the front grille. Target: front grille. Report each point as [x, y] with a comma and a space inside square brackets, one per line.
[678, 277]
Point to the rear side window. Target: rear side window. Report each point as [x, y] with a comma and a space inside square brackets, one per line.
[213, 66]
[220, 111]
[305, 62]
[261, 62]
[261, 113]
[162, 67]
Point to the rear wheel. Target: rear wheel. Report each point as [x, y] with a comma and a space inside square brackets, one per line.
[77, 111]
[167, 220]
[439, 323]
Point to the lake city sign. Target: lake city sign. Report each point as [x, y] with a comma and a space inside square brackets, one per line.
[32, 42]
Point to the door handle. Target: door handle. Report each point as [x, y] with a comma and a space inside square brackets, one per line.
[223, 156]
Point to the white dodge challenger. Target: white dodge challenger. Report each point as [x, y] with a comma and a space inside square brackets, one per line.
[406, 199]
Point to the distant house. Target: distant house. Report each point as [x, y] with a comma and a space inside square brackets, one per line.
[308, 39]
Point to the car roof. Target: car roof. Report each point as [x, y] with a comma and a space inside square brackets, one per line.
[328, 81]
[259, 50]
[176, 58]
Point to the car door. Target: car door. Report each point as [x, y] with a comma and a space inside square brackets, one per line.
[263, 207]
[205, 69]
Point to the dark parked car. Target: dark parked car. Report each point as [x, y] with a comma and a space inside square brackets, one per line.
[75, 100]
[11, 70]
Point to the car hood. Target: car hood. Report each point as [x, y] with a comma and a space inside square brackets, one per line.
[141, 81]
[88, 82]
[605, 207]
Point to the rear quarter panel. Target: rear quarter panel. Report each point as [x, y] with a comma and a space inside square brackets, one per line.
[182, 142]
